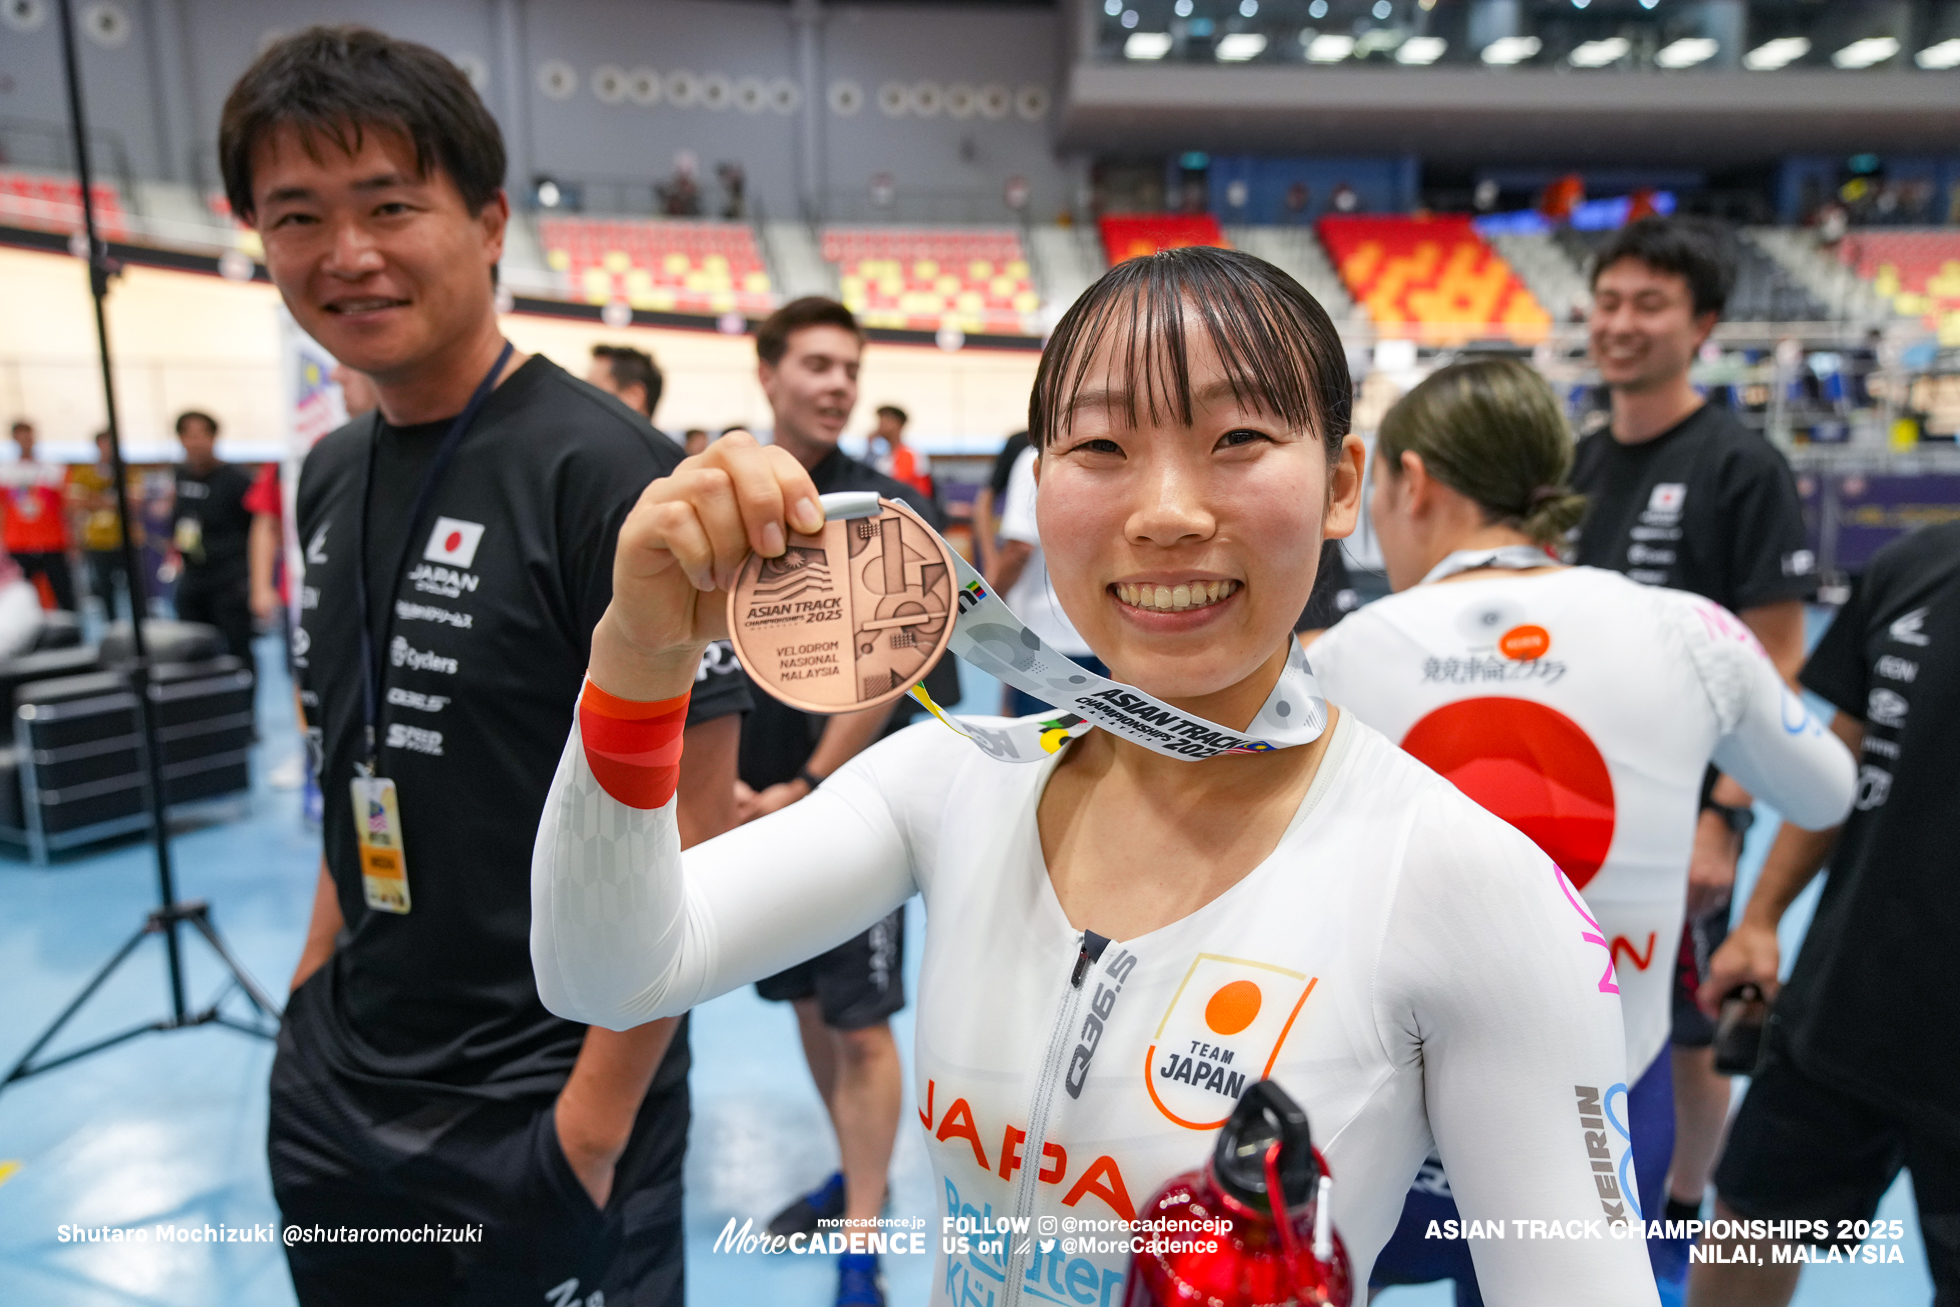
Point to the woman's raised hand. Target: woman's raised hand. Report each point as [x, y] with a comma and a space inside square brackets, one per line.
[681, 548]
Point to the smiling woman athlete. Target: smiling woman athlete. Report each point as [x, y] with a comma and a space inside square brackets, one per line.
[1121, 941]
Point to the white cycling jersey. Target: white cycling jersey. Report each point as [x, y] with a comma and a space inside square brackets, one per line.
[1583, 708]
[1412, 970]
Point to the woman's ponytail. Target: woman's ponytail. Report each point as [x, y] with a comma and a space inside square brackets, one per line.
[1491, 429]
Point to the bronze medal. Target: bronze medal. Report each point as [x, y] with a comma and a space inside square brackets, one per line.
[850, 618]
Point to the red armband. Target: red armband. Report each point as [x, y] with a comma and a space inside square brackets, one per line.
[633, 748]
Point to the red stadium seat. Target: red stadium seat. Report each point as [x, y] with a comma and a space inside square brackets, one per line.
[1132, 235]
[924, 278]
[1435, 274]
[663, 264]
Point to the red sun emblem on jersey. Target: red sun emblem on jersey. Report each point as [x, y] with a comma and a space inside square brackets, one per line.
[1532, 766]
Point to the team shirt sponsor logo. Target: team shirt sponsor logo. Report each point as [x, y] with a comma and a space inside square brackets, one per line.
[1668, 497]
[1800, 563]
[309, 597]
[1907, 629]
[1894, 668]
[1596, 1116]
[402, 654]
[453, 542]
[415, 699]
[416, 739]
[1222, 1031]
[1885, 707]
[444, 581]
[1101, 1003]
[1874, 787]
[411, 612]
[316, 548]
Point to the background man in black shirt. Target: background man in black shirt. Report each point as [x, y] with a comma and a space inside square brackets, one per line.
[1684, 496]
[628, 375]
[807, 360]
[419, 1080]
[1857, 1078]
[213, 528]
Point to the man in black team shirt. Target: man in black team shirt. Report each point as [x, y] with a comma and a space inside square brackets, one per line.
[210, 536]
[1684, 496]
[1857, 1075]
[444, 626]
[807, 360]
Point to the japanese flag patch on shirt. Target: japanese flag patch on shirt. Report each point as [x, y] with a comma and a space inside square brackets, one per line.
[453, 542]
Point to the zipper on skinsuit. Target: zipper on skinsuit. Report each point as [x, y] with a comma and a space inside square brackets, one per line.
[1088, 951]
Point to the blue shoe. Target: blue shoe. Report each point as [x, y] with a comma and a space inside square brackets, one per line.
[858, 1282]
[826, 1202]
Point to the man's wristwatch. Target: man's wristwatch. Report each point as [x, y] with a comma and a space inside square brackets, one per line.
[803, 774]
[1738, 820]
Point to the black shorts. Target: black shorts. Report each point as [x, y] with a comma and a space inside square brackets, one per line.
[857, 984]
[346, 1158]
[1801, 1149]
[1700, 937]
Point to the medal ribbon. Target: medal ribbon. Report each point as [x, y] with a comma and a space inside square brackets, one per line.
[1510, 558]
[987, 634]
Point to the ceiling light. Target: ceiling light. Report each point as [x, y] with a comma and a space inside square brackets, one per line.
[1330, 48]
[1182, 8]
[1421, 50]
[1377, 38]
[1944, 55]
[1648, 4]
[1247, 8]
[1597, 54]
[1130, 18]
[1508, 50]
[1382, 9]
[1147, 45]
[1318, 9]
[1240, 46]
[1112, 7]
[1687, 52]
[1771, 55]
[1865, 53]
[1580, 4]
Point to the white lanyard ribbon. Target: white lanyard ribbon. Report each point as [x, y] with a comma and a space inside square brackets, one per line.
[1509, 558]
[988, 634]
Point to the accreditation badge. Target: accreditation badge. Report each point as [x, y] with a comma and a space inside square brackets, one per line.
[378, 828]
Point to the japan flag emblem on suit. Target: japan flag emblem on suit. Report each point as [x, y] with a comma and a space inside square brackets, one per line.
[1222, 1031]
[453, 542]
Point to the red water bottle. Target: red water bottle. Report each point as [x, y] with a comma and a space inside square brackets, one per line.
[1263, 1258]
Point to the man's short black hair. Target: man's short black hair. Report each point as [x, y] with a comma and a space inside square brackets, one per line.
[895, 413]
[631, 367]
[1692, 250]
[772, 337]
[196, 415]
[334, 83]
[20, 423]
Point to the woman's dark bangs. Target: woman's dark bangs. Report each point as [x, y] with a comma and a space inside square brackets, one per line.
[1264, 341]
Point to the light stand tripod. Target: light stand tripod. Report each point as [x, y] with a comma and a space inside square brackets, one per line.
[166, 919]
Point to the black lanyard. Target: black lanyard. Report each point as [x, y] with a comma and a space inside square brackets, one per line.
[371, 674]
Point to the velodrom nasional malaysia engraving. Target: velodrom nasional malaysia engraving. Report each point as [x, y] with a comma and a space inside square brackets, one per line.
[850, 618]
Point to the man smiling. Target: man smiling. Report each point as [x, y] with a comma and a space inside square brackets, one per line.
[1684, 496]
[447, 608]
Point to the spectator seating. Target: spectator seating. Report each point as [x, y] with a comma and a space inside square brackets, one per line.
[1916, 272]
[924, 278]
[660, 264]
[50, 203]
[1132, 235]
[1434, 273]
